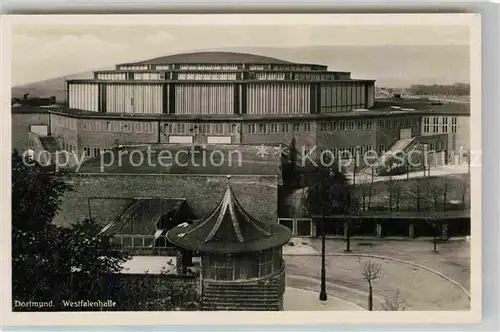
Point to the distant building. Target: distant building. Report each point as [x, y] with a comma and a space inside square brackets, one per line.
[235, 98]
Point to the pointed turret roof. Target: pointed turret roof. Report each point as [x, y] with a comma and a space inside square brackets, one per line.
[229, 229]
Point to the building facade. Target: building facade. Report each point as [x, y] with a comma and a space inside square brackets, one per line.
[239, 99]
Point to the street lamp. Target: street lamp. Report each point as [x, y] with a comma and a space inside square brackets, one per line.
[322, 295]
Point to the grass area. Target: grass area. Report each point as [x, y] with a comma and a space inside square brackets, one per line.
[429, 193]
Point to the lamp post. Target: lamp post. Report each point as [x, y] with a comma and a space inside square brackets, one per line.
[322, 295]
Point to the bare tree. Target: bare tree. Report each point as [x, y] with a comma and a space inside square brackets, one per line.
[395, 303]
[371, 272]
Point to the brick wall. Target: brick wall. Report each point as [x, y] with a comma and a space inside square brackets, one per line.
[257, 194]
[263, 294]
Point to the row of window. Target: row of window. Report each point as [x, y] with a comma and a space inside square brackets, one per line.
[437, 124]
[350, 151]
[204, 128]
[119, 126]
[314, 77]
[435, 146]
[208, 67]
[396, 123]
[133, 67]
[252, 265]
[93, 151]
[64, 122]
[207, 76]
[275, 128]
[69, 147]
[346, 125]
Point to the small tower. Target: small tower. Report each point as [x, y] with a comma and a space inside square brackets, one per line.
[241, 257]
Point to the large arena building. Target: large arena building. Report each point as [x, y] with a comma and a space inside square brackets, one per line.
[235, 98]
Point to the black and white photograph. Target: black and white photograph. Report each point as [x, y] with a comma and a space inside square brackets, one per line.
[244, 163]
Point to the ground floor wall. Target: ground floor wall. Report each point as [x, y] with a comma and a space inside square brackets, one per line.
[92, 135]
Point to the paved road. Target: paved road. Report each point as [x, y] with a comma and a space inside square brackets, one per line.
[419, 288]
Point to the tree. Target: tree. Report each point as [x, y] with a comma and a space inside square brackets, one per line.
[36, 193]
[37, 253]
[289, 165]
[371, 273]
[395, 303]
[156, 292]
[332, 195]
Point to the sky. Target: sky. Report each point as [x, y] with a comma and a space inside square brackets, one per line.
[41, 51]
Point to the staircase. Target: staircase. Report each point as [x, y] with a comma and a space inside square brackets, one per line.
[262, 295]
[402, 146]
[50, 144]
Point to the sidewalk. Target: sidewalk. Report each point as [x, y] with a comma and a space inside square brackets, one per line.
[393, 238]
[434, 171]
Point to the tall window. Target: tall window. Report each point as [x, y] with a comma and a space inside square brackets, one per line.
[108, 126]
[359, 125]
[205, 128]
[296, 127]
[334, 125]
[273, 128]
[262, 128]
[342, 125]
[435, 125]
[218, 128]
[381, 124]
[148, 127]
[137, 127]
[251, 128]
[368, 124]
[96, 152]
[86, 125]
[86, 151]
[395, 123]
[180, 128]
[427, 124]
[445, 124]
[350, 125]
[126, 127]
[284, 128]
[231, 128]
[324, 126]
[307, 127]
[381, 148]
[454, 124]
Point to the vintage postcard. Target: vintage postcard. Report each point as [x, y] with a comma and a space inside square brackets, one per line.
[167, 169]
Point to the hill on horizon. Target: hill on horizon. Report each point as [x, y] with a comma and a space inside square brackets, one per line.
[394, 66]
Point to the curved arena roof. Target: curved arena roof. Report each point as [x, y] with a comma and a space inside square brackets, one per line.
[212, 57]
